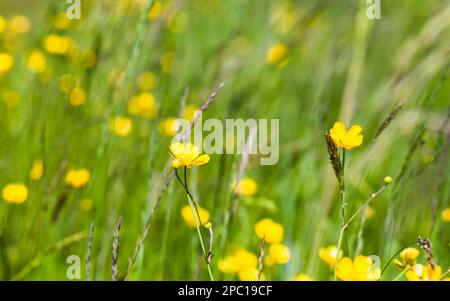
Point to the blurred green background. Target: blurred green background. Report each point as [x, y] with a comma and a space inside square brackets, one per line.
[338, 65]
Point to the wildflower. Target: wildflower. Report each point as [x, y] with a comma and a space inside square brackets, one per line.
[240, 260]
[387, 180]
[190, 219]
[169, 126]
[270, 231]
[36, 62]
[146, 81]
[57, 44]
[420, 272]
[20, 24]
[303, 277]
[279, 254]
[37, 170]
[155, 10]
[361, 269]
[246, 187]
[2, 24]
[61, 22]
[346, 139]
[143, 105]
[408, 257]
[86, 204]
[6, 62]
[77, 178]
[77, 97]
[446, 215]
[329, 255]
[122, 126]
[15, 193]
[250, 274]
[187, 155]
[189, 112]
[277, 55]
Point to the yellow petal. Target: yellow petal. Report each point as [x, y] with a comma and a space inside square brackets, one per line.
[355, 130]
[177, 149]
[200, 160]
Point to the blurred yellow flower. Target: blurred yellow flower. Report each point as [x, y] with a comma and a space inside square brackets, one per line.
[329, 254]
[420, 272]
[387, 180]
[20, 24]
[143, 105]
[77, 178]
[15, 193]
[250, 274]
[6, 62]
[86, 204]
[361, 269]
[2, 24]
[61, 21]
[190, 219]
[122, 126]
[269, 230]
[57, 44]
[346, 139]
[155, 10]
[446, 215]
[89, 58]
[146, 80]
[303, 277]
[169, 126]
[278, 55]
[409, 256]
[246, 187]
[77, 97]
[37, 170]
[189, 112]
[187, 155]
[36, 62]
[239, 260]
[279, 253]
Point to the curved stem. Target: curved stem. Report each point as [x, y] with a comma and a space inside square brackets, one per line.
[196, 215]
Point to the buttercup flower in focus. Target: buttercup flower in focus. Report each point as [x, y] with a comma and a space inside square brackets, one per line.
[187, 155]
[347, 139]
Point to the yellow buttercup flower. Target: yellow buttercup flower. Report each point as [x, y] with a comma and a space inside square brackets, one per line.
[240, 260]
[186, 155]
[36, 62]
[346, 139]
[189, 112]
[146, 81]
[77, 178]
[420, 272]
[57, 44]
[77, 97]
[122, 126]
[6, 62]
[169, 126]
[250, 274]
[446, 215]
[246, 187]
[190, 219]
[15, 193]
[143, 105]
[409, 255]
[329, 255]
[279, 253]
[303, 277]
[37, 170]
[61, 22]
[360, 269]
[2, 24]
[270, 231]
[278, 55]
[20, 24]
[155, 10]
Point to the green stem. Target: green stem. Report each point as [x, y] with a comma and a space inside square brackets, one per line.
[343, 225]
[196, 215]
[402, 273]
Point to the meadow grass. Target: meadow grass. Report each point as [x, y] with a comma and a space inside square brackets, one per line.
[390, 76]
